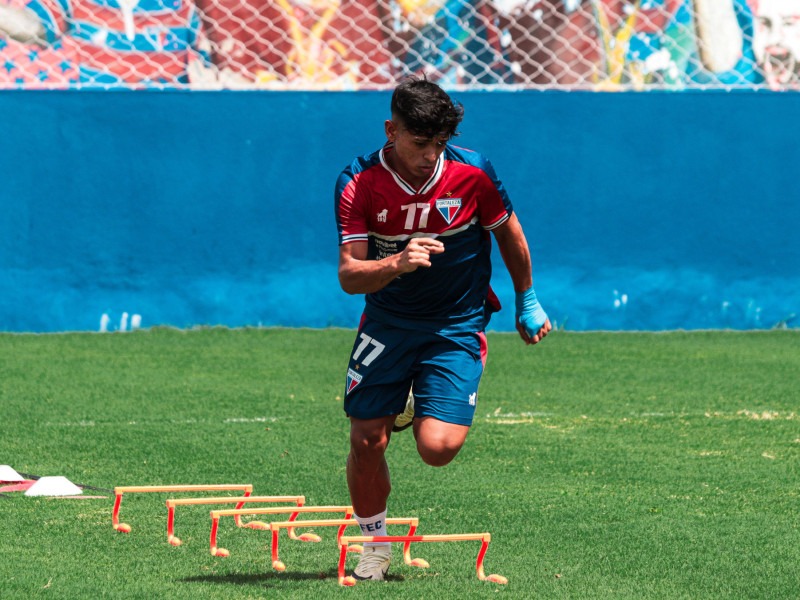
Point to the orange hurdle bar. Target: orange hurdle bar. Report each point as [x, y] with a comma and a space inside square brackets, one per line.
[276, 510]
[412, 522]
[456, 537]
[139, 489]
[240, 502]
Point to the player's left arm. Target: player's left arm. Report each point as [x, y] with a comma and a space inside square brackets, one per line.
[532, 322]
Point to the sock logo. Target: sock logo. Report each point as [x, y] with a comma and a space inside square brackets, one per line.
[372, 527]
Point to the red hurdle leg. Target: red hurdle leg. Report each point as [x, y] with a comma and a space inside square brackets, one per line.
[171, 526]
[413, 562]
[305, 537]
[121, 527]
[237, 518]
[479, 565]
[214, 550]
[344, 580]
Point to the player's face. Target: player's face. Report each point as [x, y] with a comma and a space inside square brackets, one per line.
[414, 156]
[776, 39]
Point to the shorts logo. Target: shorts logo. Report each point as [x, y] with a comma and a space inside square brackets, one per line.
[448, 208]
[472, 398]
[353, 379]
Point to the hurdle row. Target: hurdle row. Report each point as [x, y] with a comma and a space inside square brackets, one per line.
[345, 544]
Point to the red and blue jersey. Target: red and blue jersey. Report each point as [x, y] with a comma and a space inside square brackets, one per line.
[461, 202]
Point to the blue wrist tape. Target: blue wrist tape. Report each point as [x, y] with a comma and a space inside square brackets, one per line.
[530, 313]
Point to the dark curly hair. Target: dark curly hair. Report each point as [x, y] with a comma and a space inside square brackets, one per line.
[426, 109]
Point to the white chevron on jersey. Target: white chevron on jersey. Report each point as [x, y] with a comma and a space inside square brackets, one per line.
[404, 185]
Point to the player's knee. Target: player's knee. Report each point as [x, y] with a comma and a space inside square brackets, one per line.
[368, 443]
[437, 455]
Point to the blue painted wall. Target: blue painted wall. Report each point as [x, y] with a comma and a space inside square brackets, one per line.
[644, 211]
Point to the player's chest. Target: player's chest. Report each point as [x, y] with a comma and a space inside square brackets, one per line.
[446, 207]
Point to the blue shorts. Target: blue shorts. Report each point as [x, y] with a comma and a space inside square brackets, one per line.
[444, 369]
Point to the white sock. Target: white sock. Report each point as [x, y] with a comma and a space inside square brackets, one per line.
[375, 526]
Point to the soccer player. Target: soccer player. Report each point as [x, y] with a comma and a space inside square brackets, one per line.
[414, 219]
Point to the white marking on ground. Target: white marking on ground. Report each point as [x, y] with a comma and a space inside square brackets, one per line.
[709, 453]
[500, 415]
[764, 415]
[251, 420]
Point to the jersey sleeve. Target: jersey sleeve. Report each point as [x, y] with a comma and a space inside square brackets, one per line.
[495, 207]
[350, 213]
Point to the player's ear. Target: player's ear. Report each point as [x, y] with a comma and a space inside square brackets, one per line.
[390, 128]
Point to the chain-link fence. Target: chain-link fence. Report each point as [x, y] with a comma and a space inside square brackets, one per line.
[370, 44]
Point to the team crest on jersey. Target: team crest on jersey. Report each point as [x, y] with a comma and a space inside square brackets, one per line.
[448, 208]
[353, 379]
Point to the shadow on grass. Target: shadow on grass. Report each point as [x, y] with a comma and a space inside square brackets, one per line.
[267, 578]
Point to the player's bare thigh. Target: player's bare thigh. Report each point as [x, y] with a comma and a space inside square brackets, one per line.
[438, 442]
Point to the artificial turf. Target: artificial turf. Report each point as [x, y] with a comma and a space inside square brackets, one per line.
[604, 465]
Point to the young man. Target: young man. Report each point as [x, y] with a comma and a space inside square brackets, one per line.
[413, 223]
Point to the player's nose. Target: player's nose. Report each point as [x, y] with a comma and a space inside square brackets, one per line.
[430, 154]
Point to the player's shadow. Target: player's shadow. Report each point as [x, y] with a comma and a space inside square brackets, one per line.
[263, 579]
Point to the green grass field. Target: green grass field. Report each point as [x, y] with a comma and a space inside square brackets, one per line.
[605, 465]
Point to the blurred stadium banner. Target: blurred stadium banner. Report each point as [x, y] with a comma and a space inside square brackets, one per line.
[334, 45]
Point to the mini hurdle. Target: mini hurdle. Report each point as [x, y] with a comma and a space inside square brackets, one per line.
[247, 489]
[240, 502]
[272, 510]
[343, 524]
[485, 538]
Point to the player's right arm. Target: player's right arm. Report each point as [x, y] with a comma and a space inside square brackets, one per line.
[359, 275]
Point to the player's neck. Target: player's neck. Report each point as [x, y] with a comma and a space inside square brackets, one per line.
[415, 182]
